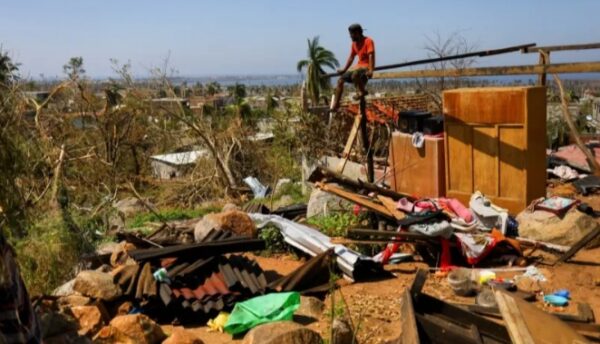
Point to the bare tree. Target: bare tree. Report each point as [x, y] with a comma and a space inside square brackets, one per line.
[439, 46]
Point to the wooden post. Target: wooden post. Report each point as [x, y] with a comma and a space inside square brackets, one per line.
[544, 60]
[362, 108]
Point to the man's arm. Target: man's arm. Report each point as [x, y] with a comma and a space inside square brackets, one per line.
[371, 64]
[348, 63]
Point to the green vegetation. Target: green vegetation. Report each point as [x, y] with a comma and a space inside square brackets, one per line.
[139, 220]
[273, 241]
[334, 225]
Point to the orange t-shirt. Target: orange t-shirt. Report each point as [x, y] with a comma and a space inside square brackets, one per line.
[362, 50]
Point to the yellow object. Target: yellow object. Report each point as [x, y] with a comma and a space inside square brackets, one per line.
[486, 276]
[218, 323]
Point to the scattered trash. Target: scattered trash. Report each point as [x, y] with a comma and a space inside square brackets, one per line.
[217, 324]
[460, 282]
[556, 205]
[535, 274]
[556, 300]
[486, 276]
[261, 310]
[259, 190]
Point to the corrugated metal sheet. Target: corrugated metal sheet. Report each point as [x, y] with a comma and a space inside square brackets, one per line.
[183, 158]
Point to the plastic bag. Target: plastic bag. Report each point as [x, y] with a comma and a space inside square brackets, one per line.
[261, 310]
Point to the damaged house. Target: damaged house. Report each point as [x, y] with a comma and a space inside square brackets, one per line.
[175, 165]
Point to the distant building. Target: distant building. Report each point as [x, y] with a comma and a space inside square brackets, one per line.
[175, 165]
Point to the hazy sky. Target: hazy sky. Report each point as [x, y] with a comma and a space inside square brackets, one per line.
[269, 36]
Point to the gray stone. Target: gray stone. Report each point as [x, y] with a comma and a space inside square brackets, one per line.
[280, 184]
[342, 331]
[65, 289]
[545, 226]
[310, 307]
[98, 285]
[282, 332]
[323, 203]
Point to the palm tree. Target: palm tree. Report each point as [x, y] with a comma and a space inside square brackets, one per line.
[8, 68]
[318, 57]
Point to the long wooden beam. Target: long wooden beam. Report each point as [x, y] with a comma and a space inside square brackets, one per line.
[558, 68]
[561, 47]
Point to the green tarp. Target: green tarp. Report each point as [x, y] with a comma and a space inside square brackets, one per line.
[262, 309]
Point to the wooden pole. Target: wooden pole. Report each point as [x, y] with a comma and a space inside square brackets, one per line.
[362, 106]
[578, 67]
[544, 60]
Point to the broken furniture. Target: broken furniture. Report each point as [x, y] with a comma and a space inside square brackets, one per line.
[417, 171]
[496, 143]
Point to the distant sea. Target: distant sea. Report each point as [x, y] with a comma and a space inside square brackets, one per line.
[287, 80]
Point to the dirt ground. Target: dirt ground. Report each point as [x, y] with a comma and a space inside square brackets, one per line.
[374, 306]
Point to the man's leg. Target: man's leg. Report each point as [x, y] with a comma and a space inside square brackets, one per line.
[338, 93]
[360, 82]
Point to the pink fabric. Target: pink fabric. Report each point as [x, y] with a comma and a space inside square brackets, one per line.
[407, 206]
[458, 208]
[575, 156]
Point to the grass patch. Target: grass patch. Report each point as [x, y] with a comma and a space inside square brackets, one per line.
[139, 220]
[334, 225]
[50, 252]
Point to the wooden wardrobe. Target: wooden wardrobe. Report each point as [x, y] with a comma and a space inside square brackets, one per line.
[496, 143]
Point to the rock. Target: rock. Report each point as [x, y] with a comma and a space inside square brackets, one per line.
[131, 205]
[65, 289]
[98, 285]
[138, 327]
[74, 300]
[109, 335]
[124, 308]
[342, 331]
[282, 332]
[545, 226]
[229, 207]
[280, 184]
[310, 307]
[234, 220]
[89, 318]
[119, 256]
[116, 222]
[323, 203]
[182, 336]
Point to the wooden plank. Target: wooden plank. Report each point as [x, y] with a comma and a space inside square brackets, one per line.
[355, 198]
[555, 68]
[518, 331]
[349, 144]
[390, 205]
[440, 330]
[528, 324]
[409, 333]
[578, 246]
[561, 47]
[485, 105]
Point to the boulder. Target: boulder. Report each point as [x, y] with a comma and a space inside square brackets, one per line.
[281, 183]
[182, 336]
[310, 307]
[65, 289]
[73, 301]
[98, 285]
[545, 226]
[282, 332]
[138, 327]
[89, 318]
[109, 335]
[131, 206]
[323, 203]
[235, 221]
[342, 331]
